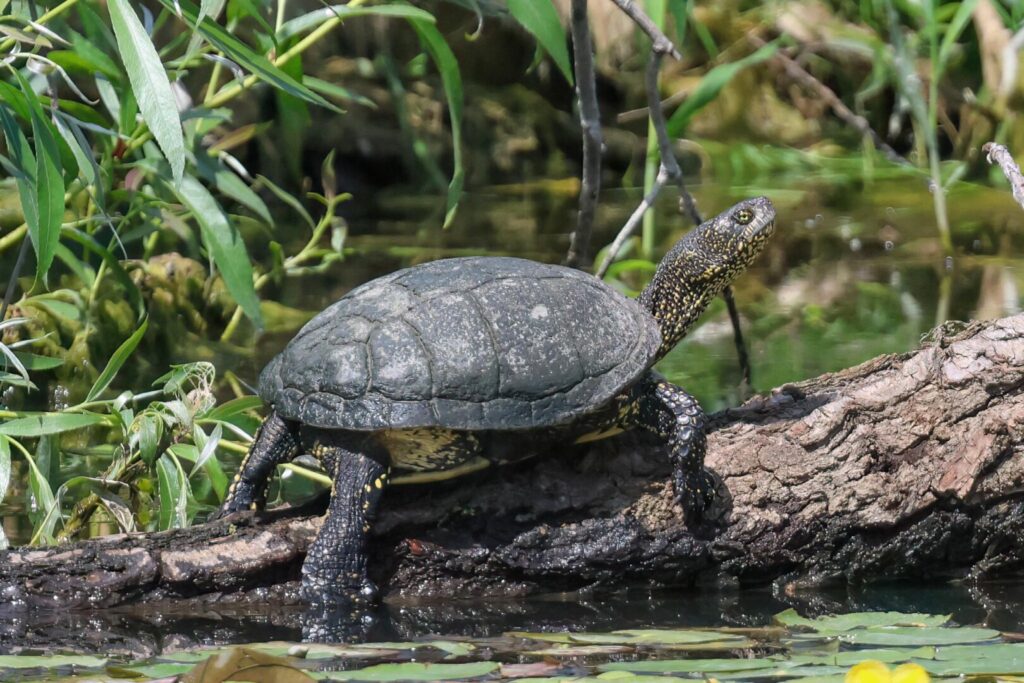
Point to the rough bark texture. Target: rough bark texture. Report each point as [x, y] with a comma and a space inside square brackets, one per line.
[906, 466]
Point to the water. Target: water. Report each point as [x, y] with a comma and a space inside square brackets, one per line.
[853, 271]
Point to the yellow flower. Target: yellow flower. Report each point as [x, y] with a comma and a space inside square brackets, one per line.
[872, 671]
[910, 673]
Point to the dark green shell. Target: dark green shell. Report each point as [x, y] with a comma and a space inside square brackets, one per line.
[466, 343]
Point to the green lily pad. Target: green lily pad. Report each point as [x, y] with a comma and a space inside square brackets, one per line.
[851, 657]
[49, 661]
[449, 647]
[858, 620]
[580, 651]
[908, 635]
[163, 670]
[693, 665]
[413, 671]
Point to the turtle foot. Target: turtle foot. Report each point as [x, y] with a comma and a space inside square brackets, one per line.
[696, 492]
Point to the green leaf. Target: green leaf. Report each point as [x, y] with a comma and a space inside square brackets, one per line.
[231, 185]
[224, 244]
[956, 26]
[238, 51]
[173, 488]
[313, 19]
[855, 620]
[414, 671]
[694, 665]
[42, 189]
[712, 84]
[116, 361]
[33, 361]
[903, 635]
[49, 661]
[448, 67]
[149, 82]
[541, 20]
[49, 423]
[5, 467]
[234, 407]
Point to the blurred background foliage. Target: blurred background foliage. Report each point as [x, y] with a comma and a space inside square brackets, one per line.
[187, 183]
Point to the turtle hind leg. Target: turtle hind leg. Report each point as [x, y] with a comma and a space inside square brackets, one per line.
[674, 415]
[335, 568]
[276, 442]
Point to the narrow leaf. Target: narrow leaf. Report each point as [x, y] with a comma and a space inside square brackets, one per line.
[149, 82]
[241, 53]
[541, 20]
[224, 243]
[116, 361]
[49, 423]
[712, 84]
[448, 66]
[313, 19]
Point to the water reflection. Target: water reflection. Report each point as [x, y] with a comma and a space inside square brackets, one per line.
[148, 630]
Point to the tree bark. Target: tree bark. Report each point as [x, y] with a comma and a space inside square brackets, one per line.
[905, 467]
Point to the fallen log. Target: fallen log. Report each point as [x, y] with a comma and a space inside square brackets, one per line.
[907, 466]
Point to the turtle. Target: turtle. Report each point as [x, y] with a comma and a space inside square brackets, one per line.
[447, 366]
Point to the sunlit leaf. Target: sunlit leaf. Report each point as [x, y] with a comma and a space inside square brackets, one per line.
[712, 83]
[855, 620]
[116, 361]
[541, 20]
[311, 20]
[224, 243]
[173, 489]
[49, 423]
[49, 661]
[235, 406]
[241, 53]
[451, 80]
[414, 671]
[149, 83]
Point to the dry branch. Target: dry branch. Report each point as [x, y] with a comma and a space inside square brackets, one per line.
[908, 466]
[998, 154]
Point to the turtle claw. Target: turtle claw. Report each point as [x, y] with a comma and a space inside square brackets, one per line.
[695, 493]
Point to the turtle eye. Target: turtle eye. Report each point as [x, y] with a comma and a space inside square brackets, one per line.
[743, 216]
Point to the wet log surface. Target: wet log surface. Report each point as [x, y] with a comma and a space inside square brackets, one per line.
[906, 467]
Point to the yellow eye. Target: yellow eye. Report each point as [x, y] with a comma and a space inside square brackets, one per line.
[743, 216]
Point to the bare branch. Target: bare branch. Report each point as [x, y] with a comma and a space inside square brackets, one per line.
[998, 154]
[859, 123]
[590, 122]
[632, 222]
[662, 44]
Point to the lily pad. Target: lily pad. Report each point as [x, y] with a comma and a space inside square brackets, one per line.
[49, 661]
[413, 671]
[908, 635]
[580, 651]
[851, 657]
[447, 646]
[858, 620]
[693, 665]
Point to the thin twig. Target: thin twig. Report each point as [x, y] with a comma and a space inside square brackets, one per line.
[661, 41]
[590, 122]
[668, 170]
[859, 123]
[632, 222]
[998, 154]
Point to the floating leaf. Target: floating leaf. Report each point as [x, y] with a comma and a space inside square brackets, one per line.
[541, 20]
[49, 661]
[901, 635]
[696, 665]
[149, 83]
[847, 622]
[414, 671]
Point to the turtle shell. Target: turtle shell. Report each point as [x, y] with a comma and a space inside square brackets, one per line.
[464, 343]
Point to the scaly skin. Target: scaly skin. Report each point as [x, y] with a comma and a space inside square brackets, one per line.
[693, 273]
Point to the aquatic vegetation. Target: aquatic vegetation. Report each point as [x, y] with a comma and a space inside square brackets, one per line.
[747, 654]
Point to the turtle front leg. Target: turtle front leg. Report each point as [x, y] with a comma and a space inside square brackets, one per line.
[276, 442]
[335, 567]
[669, 412]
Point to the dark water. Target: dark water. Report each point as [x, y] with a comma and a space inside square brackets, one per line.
[855, 270]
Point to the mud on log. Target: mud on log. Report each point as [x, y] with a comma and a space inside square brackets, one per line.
[907, 466]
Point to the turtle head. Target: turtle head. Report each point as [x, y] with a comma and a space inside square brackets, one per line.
[703, 263]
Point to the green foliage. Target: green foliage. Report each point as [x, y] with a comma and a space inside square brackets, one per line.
[541, 20]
